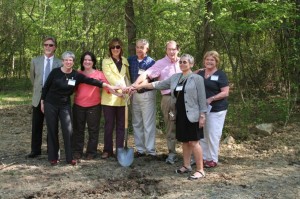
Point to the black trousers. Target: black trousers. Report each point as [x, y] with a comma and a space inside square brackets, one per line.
[82, 116]
[53, 115]
[37, 129]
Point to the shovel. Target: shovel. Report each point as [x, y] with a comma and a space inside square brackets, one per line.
[125, 155]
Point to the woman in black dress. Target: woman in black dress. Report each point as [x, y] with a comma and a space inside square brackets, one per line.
[189, 93]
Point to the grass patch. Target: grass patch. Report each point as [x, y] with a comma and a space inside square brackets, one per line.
[15, 91]
[242, 117]
[16, 97]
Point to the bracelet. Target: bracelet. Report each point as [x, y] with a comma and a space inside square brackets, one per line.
[203, 116]
[213, 98]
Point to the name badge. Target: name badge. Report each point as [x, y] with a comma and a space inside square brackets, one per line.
[71, 82]
[179, 88]
[214, 77]
[141, 71]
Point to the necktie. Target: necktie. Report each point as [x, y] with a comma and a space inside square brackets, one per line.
[47, 70]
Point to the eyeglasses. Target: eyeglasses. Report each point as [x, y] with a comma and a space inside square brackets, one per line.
[50, 45]
[117, 47]
[183, 62]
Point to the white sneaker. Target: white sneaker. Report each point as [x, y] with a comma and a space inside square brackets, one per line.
[171, 158]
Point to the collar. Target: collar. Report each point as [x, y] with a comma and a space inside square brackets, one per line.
[51, 58]
[171, 60]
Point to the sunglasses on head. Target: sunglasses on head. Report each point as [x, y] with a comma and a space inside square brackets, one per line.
[183, 62]
[117, 47]
[50, 45]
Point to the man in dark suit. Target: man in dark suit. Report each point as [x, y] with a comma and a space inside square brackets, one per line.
[39, 70]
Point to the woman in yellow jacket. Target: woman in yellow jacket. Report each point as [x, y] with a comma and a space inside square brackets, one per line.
[115, 69]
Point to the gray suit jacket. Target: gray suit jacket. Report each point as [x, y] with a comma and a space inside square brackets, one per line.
[194, 94]
[36, 76]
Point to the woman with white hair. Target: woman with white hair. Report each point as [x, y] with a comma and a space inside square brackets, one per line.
[56, 105]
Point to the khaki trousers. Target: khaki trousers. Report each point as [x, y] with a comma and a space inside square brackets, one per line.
[144, 121]
[170, 124]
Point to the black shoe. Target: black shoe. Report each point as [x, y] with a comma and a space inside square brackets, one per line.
[138, 154]
[32, 155]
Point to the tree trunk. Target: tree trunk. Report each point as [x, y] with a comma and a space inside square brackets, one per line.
[207, 39]
[203, 33]
[85, 24]
[130, 26]
[297, 52]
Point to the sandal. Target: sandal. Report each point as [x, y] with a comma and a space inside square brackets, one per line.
[186, 170]
[193, 177]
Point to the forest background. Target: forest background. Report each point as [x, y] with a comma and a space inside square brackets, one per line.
[258, 40]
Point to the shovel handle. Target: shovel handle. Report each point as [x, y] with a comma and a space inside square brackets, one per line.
[126, 117]
[126, 125]
[126, 120]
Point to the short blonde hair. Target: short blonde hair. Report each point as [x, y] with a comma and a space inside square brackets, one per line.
[214, 54]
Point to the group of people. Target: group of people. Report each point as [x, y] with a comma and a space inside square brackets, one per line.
[194, 104]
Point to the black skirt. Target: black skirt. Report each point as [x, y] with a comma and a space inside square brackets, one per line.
[185, 130]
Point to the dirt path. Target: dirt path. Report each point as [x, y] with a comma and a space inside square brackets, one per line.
[268, 167]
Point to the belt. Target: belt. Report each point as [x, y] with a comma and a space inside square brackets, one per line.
[143, 90]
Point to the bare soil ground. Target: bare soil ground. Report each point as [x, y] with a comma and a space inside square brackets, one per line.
[265, 167]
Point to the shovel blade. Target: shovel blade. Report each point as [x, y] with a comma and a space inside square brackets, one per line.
[125, 156]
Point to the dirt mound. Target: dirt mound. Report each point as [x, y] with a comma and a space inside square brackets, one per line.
[264, 167]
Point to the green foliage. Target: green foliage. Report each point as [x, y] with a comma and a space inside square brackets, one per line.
[13, 84]
[241, 117]
[15, 91]
[174, 21]
[258, 42]
[17, 97]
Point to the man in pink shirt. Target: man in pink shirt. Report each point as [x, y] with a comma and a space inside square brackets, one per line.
[163, 69]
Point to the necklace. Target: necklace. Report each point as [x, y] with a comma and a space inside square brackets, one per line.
[65, 71]
[67, 78]
[207, 75]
